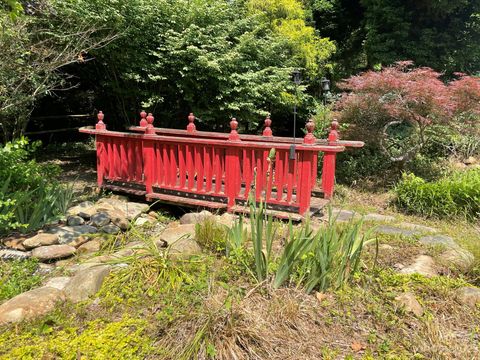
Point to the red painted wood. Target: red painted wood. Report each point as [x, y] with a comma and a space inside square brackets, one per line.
[218, 165]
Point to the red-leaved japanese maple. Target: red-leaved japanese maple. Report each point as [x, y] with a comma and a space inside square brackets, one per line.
[400, 94]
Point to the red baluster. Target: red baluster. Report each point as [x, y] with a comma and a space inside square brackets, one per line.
[233, 133]
[333, 135]
[150, 130]
[143, 120]
[100, 124]
[309, 137]
[191, 126]
[267, 131]
[329, 159]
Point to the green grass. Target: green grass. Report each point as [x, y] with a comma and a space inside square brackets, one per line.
[17, 277]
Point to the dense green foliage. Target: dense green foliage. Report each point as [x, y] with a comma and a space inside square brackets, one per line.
[17, 277]
[443, 35]
[29, 194]
[457, 194]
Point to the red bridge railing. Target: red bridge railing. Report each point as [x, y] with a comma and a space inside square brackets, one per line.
[215, 170]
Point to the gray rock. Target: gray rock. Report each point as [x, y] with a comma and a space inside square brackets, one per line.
[100, 219]
[342, 215]
[409, 303]
[118, 218]
[41, 239]
[76, 210]
[58, 283]
[45, 253]
[67, 234]
[30, 304]
[134, 209]
[423, 265]
[468, 295]
[194, 218]
[417, 227]
[9, 254]
[174, 232]
[457, 258]
[440, 240]
[140, 221]
[394, 230]
[75, 220]
[378, 217]
[91, 246]
[110, 229]
[86, 283]
[184, 248]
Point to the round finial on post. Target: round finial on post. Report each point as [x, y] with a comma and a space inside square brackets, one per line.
[143, 120]
[233, 133]
[100, 124]
[191, 126]
[268, 130]
[150, 129]
[333, 135]
[309, 137]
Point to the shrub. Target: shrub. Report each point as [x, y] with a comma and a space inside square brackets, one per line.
[29, 195]
[457, 194]
[396, 108]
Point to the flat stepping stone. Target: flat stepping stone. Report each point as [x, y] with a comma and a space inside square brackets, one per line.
[442, 240]
[395, 230]
[86, 283]
[41, 239]
[9, 254]
[46, 253]
[378, 217]
[418, 227]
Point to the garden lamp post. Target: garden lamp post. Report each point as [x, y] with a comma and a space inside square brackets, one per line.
[296, 81]
[325, 89]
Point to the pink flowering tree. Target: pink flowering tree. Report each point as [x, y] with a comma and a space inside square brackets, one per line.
[409, 101]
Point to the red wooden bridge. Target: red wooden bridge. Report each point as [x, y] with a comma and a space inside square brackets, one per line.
[217, 170]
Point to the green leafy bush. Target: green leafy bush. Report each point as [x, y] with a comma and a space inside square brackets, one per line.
[457, 194]
[30, 196]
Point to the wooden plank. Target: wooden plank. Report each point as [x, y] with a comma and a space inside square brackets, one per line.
[186, 201]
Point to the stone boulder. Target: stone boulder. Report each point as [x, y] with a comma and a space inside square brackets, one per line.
[30, 304]
[91, 246]
[195, 217]
[67, 234]
[14, 242]
[79, 208]
[58, 283]
[457, 258]
[110, 229]
[86, 283]
[184, 248]
[75, 220]
[468, 295]
[46, 253]
[409, 303]
[423, 265]
[9, 254]
[100, 219]
[41, 239]
[173, 232]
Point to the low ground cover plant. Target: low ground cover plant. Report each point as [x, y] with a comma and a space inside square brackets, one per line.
[17, 276]
[457, 194]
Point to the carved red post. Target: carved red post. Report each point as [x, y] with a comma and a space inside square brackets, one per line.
[143, 120]
[191, 126]
[100, 124]
[233, 133]
[309, 137]
[232, 166]
[150, 130]
[328, 171]
[268, 130]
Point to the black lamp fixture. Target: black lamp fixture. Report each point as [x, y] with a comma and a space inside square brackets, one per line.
[325, 84]
[296, 80]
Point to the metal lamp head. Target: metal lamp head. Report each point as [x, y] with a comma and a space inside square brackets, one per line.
[296, 76]
[325, 84]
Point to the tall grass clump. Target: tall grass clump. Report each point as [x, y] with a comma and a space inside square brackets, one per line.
[457, 194]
